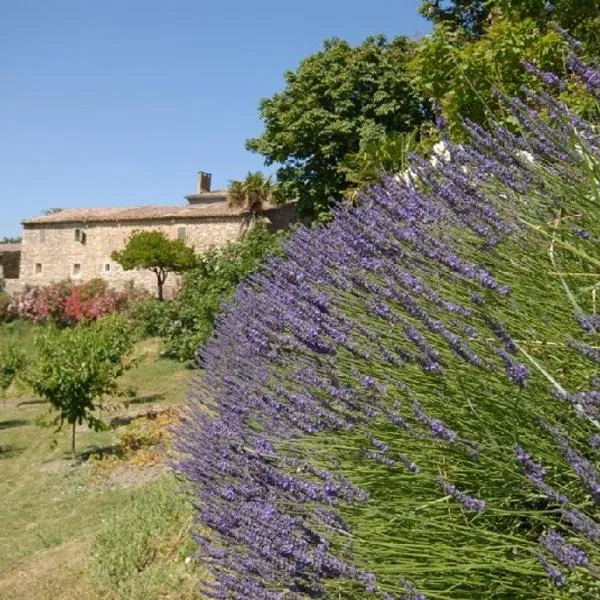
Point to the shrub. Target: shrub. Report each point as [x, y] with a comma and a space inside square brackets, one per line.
[66, 303]
[7, 311]
[405, 406]
[12, 361]
[189, 319]
[149, 316]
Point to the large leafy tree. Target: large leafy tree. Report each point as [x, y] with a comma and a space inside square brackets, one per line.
[580, 17]
[337, 99]
[478, 46]
[154, 251]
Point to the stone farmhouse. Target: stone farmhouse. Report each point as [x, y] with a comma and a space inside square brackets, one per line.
[77, 244]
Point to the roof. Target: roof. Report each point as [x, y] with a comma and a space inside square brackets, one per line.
[138, 213]
[4, 248]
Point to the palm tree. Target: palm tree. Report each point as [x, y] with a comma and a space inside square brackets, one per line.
[251, 193]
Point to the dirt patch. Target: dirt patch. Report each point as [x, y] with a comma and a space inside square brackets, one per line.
[131, 476]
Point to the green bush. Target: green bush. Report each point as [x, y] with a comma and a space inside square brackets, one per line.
[12, 360]
[190, 317]
[149, 317]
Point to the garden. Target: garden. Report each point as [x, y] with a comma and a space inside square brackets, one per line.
[399, 399]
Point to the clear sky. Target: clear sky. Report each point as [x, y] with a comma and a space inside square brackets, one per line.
[120, 102]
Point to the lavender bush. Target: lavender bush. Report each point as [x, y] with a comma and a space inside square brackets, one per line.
[406, 405]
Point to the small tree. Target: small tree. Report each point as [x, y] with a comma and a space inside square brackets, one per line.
[152, 250]
[12, 360]
[76, 367]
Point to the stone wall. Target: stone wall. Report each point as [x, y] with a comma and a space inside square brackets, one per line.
[51, 252]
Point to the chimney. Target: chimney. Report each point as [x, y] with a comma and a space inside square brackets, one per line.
[203, 185]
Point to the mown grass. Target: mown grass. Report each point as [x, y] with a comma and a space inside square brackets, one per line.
[108, 528]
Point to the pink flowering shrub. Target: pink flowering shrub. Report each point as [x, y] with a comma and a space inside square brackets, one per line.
[66, 302]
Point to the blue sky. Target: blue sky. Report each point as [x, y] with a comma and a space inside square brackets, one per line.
[120, 102]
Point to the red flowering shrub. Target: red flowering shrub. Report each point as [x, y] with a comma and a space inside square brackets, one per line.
[67, 303]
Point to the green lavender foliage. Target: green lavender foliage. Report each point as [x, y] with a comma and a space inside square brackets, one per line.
[297, 397]
[410, 528]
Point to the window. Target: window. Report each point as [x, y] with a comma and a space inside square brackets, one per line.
[38, 268]
[76, 269]
[42, 235]
[106, 267]
[181, 233]
[80, 236]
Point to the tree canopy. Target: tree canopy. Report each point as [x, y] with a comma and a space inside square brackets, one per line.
[77, 366]
[474, 16]
[337, 100]
[479, 46]
[152, 250]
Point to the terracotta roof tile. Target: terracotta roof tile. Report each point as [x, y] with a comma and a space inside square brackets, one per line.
[137, 213]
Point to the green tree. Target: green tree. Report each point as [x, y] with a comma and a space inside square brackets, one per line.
[152, 250]
[461, 75]
[580, 17]
[337, 99]
[12, 361]
[77, 367]
[478, 46]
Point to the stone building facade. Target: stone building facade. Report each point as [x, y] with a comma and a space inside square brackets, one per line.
[77, 244]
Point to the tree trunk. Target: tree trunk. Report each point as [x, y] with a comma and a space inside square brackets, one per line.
[73, 455]
[160, 280]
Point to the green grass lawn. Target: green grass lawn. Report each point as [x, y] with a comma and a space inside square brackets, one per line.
[109, 528]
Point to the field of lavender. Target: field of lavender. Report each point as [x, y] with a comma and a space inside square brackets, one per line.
[406, 405]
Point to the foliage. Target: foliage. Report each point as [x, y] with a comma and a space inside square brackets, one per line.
[7, 312]
[190, 317]
[76, 368]
[12, 361]
[337, 99]
[473, 16]
[10, 240]
[142, 548]
[149, 316]
[66, 303]
[251, 193]
[375, 157]
[152, 250]
[406, 405]
[479, 47]
[462, 77]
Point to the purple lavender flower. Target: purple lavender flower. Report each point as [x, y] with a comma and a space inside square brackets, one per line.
[470, 503]
[566, 554]
[549, 78]
[555, 576]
